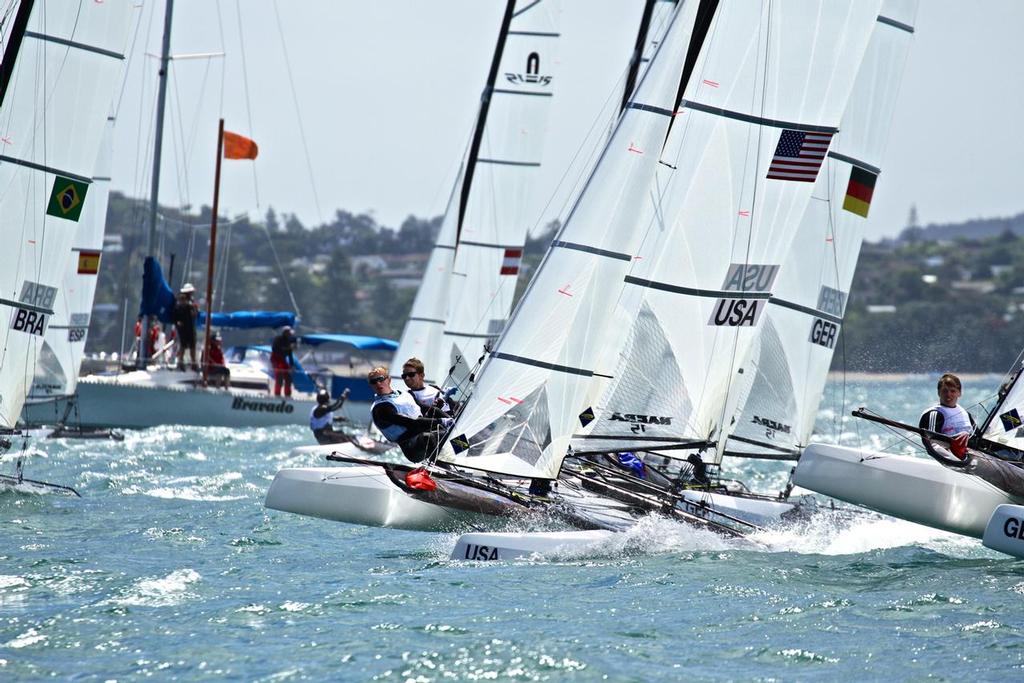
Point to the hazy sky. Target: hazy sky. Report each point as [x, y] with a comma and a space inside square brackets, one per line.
[387, 94]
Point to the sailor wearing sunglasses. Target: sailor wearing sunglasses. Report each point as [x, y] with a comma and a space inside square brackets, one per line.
[399, 418]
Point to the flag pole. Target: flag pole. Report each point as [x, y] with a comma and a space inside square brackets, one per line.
[213, 250]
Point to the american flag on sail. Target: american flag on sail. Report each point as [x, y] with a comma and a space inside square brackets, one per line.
[510, 264]
[798, 155]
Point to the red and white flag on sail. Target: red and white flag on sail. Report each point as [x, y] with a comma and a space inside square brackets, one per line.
[798, 155]
[510, 264]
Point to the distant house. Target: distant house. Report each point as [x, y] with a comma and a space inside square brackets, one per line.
[1000, 269]
[979, 286]
[934, 261]
[881, 308]
[113, 244]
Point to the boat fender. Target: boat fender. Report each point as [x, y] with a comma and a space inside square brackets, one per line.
[420, 480]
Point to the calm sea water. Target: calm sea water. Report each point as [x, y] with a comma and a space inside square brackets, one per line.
[169, 568]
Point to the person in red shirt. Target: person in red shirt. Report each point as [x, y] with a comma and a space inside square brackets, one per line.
[216, 369]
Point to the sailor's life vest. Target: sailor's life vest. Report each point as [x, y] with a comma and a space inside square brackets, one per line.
[426, 397]
[954, 420]
[405, 405]
[318, 423]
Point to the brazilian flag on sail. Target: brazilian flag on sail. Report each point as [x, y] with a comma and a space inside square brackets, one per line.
[67, 198]
[859, 191]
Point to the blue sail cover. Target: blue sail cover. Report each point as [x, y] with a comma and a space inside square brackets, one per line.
[247, 320]
[157, 296]
[359, 341]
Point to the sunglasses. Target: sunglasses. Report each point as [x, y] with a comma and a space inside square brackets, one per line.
[376, 380]
[409, 375]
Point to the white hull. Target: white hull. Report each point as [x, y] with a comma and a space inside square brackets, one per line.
[510, 546]
[914, 489]
[125, 403]
[753, 510]
[357, 494]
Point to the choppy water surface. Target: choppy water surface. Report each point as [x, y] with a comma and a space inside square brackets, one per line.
[170, 568]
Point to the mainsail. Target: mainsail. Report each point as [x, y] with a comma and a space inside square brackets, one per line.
[466, 294]
[57, 79]
[634, 330]
[64, 343]
[527, 394]
[803, 318]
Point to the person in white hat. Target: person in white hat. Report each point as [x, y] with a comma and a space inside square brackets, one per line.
[184, 317]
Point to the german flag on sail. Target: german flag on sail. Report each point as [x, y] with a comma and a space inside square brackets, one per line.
[859, 191]
[88, 262]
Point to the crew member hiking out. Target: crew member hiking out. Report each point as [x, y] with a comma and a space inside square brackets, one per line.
[426, 395]
[399, 418]
[321, 418]
[952, 420]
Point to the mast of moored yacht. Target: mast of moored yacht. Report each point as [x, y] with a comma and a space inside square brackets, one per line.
[154, 192]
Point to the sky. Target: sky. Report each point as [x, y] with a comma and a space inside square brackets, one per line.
[382, 97]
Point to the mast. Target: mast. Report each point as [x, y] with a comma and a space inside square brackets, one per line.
[213, 251]
[638, 52]
[154, 193]
[485, 104]
[11, 53]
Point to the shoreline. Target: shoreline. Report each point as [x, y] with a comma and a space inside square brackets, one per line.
[861, 376]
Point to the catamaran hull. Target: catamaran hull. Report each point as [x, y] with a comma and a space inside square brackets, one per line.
[485, 546]
[914, 489]
[111, 404]
[358, 494]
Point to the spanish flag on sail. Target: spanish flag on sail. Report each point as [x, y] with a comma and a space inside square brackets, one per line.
[88, 262]
[859, 191]
[239, 147]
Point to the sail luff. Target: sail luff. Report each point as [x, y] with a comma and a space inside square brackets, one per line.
[485, 104]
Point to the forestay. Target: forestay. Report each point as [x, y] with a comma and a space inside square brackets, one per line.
[64, 343]
[51, 120]
[528, 397]
[802, 322]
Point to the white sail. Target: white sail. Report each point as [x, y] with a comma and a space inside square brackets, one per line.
[665, 333]
[422, 336]
[1005, 425]
[525, 403]
[501, 203]
[51, 122]
[767, 95]
[804, 315]
[64, 343]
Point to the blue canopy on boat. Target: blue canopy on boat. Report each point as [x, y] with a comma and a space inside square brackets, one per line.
[157, 295]
[248, 320]
[359, 341]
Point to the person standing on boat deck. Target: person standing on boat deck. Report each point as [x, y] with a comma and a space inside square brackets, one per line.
[321, 418]
[184, 318]
[282, 360]
[216, 368]
[426, 395]
[399, 418]
[947, 417]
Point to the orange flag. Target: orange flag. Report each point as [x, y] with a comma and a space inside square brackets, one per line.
[239, 147]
